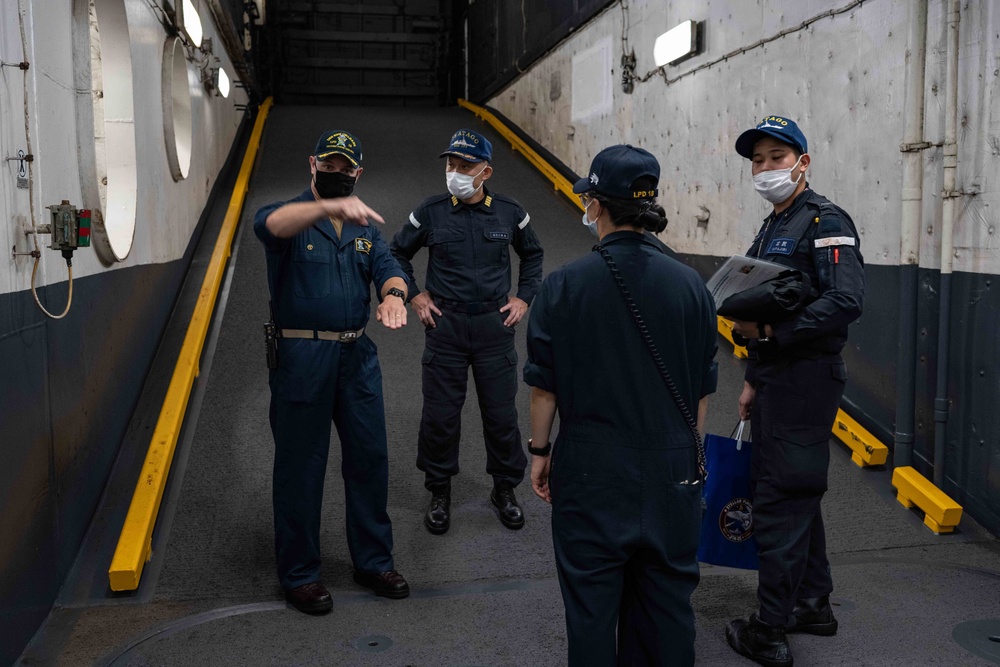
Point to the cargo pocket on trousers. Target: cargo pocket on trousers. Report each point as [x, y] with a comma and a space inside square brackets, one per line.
[684, 522]
[801, 457]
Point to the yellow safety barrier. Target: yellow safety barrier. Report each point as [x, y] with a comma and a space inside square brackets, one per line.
[135, 542]
[866, 450]
[941, 513]
[726, 329]
[558, 180]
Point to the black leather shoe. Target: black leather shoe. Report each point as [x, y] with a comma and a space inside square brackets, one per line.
[506, 503]
[310, 598]
[437, 518]
[388, 584]
[764, 644]
[813, 616]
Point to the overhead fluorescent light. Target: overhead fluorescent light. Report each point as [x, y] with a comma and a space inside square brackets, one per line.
[223, 83]
[191, 23]
[676, 44]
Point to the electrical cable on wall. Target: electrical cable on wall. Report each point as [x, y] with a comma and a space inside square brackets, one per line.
[35, 230]
[661, 71]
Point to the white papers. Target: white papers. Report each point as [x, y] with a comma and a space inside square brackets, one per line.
[740, 273]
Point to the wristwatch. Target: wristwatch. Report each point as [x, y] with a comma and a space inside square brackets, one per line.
[762, 330]
[395, 291]
[540, 451]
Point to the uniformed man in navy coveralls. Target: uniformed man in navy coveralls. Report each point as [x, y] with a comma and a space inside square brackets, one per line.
[319, 272]
[624, 478]
[794, 382]
[470, 320]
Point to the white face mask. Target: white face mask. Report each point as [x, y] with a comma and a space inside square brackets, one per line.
[777, 185]
[592, 226]
[462, 185]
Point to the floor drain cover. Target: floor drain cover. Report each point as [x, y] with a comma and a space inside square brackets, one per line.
[980, 638]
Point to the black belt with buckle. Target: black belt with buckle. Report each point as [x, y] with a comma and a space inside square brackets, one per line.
[474, 308]
[340, 336]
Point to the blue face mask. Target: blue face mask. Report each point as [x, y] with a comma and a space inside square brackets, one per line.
[592, 226]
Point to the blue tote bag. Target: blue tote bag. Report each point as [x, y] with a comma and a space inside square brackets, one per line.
[727, 525]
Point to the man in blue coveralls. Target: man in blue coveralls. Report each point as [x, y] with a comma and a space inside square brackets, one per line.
[470, 321]
[319, 272]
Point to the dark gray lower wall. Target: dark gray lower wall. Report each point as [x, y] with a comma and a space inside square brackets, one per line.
[972, 458]
[68, 388]
[972, 453]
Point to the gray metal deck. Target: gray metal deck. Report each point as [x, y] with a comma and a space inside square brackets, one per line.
[482, 595]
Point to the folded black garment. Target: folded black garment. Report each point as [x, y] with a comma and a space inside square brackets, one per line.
[772, 301]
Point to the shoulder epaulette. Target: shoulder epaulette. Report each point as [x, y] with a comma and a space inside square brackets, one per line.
[827, 215]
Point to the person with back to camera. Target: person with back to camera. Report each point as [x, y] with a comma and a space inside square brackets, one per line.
[319, 274]
[793, 385]
[625, 474]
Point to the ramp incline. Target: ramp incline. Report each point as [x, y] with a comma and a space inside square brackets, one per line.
[482, 595]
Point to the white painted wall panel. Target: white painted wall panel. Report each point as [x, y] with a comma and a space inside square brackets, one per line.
[167, 212]
[842, 78]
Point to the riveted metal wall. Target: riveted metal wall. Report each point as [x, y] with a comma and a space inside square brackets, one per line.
[506, 37]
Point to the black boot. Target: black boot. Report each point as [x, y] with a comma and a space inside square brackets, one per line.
[506, 503]
[764, 644]
[437, 518]
[813, 616]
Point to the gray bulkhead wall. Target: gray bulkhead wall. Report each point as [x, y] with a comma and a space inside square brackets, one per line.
[68, 387]
[842, 76]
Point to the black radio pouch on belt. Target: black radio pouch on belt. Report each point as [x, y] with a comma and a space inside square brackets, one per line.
[271, 342]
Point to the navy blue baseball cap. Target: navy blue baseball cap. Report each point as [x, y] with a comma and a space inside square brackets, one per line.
[616, 169]
[470, 146]
[338, 142]
[781, 128]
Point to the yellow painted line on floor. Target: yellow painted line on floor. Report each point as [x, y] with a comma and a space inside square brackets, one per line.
[518, 144]
[135, 542]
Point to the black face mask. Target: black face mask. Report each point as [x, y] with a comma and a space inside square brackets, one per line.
[332, 184]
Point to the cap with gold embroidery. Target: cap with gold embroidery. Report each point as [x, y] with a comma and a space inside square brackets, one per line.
[470, 146]
[338, 142]
[781, 128]
[622, 172]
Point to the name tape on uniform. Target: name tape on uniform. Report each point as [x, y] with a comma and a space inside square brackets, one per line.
[835, 240]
